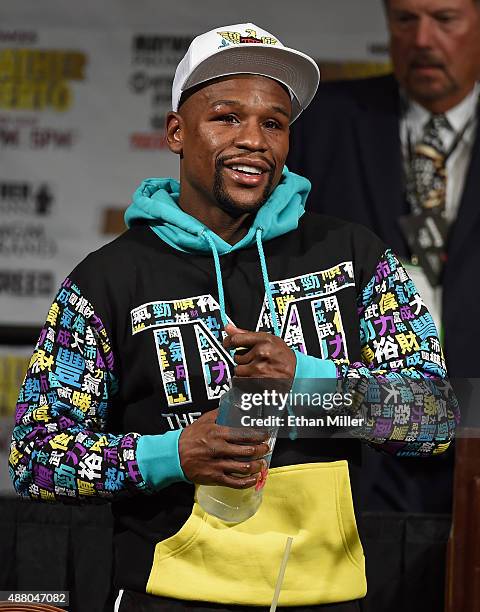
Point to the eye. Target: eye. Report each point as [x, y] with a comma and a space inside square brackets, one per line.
[228, 118]
[404, 18]
[444, 17]
[272, 124]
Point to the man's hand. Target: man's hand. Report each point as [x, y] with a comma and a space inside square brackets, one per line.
[211, 453]
[267, 356]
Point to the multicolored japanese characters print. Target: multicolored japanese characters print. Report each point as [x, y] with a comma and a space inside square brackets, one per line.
[59, 446]
[408, 405]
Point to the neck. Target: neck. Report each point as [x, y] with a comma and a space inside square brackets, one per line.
[443, 105]
[229, 228]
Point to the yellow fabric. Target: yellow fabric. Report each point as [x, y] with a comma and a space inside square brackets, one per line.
[210, 560]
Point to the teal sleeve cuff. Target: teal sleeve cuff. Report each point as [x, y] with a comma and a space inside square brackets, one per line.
[313, 375]
[159, 461]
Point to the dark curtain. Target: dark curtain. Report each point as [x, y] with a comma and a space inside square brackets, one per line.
[58, 547]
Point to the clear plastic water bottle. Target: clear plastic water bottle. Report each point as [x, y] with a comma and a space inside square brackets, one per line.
[234, 505]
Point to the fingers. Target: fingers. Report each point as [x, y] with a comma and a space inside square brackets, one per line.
[208, 417]
[242, 475]
[239, 483]
[211, 453]
[244, 339]
[239, 451]
[260, 354]
[243, 435]
[241, 337]
[233, 329]
[243, 356]
[219, 448]
[242, 469]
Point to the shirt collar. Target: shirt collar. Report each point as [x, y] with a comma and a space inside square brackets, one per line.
[460, 114]
[417, 116]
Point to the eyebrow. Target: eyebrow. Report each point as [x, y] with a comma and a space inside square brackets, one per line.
[281, 110]
[278, 109]
[407, 11]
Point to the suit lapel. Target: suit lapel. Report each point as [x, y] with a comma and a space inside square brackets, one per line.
[470, 201]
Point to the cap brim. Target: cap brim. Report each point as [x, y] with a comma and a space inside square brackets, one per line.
[292, 68]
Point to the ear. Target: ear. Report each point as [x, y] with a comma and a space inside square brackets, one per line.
[174, 132]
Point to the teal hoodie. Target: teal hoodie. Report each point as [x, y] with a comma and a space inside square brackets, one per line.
[156, 202]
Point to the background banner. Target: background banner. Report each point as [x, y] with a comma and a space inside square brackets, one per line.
[83, 94]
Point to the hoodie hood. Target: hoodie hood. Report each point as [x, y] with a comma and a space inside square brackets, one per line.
[155, 202]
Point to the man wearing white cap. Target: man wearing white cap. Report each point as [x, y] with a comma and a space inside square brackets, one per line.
[121, 396]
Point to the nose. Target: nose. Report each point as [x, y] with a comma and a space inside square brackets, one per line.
[424, 32]
[251, 136]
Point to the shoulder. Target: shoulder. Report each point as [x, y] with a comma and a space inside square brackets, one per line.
[345, 240]
[326, 226]
[119, 255]
[107, 274]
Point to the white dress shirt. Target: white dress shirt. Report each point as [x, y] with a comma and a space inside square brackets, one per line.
[412, 125]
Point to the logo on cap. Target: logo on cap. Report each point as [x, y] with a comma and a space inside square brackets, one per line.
[236, 38]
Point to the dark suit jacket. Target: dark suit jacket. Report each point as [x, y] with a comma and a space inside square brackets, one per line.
[348, 144]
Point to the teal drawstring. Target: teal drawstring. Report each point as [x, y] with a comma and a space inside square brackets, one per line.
[218, 272]
[221, 295]
[266, 282]
[273, 314]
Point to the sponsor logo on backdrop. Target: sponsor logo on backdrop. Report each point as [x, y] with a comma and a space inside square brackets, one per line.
[25, 207]
[36, 81]
[39, 79]
[26, 198]
[23, 37]
[159, 51]
[154, 59]
[27, 283]
[19, 239]
[25, 133]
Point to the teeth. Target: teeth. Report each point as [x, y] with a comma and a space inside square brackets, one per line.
[247, 169]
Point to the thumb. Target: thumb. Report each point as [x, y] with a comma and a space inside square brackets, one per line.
[232, 329]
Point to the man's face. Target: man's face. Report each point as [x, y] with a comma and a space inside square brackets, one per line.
[435, 49]
[234, 141]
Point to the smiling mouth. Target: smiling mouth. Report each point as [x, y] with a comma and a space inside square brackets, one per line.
[244, 169]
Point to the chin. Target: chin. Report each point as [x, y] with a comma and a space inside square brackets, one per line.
[240, 203]
[238, 207]
[428, 89]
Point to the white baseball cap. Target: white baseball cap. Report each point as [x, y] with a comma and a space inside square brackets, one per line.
[245, 48]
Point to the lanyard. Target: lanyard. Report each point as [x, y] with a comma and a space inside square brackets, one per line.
[456, 141]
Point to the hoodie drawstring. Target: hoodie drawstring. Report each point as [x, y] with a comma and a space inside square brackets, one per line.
[268, 292]
[218, 273]
[266, 282]
[273, 313]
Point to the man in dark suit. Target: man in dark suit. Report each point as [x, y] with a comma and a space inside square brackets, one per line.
[352, 144]
[358, 144]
